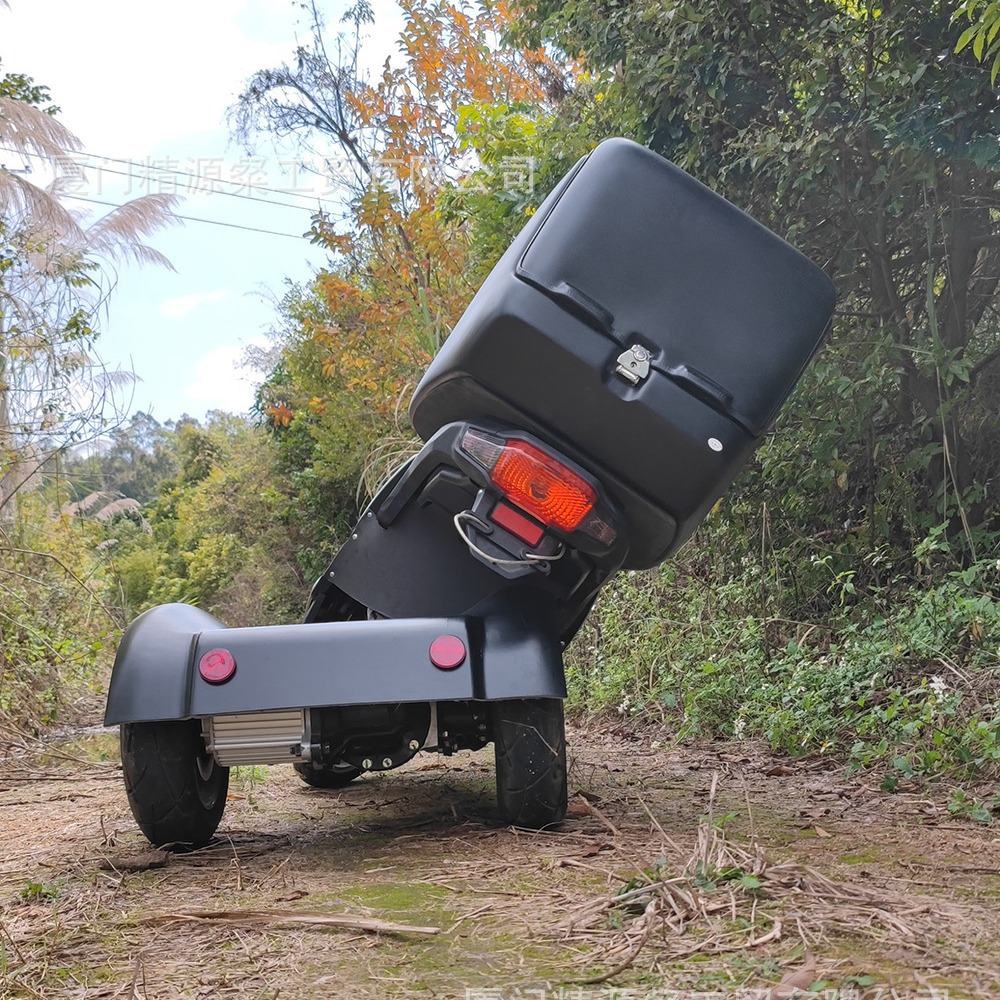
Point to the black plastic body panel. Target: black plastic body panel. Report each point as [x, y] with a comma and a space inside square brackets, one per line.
[630, 250]
[405, 558]
[155, 676]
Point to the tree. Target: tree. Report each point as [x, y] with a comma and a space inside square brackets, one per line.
[135, 457]
[56, 272]
[224, 535]
[852, 128]
[357, 340]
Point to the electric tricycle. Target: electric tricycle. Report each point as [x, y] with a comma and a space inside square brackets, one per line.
[613, 374]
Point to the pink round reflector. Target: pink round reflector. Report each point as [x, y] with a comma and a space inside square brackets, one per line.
[217, 666]
[447, 652]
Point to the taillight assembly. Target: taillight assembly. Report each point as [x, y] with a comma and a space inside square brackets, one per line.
[539, 484]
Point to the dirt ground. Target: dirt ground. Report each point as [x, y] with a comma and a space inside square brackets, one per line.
[694, 872]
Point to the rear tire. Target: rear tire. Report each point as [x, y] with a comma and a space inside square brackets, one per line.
[530, 741]
[176, 790]
[338, 776]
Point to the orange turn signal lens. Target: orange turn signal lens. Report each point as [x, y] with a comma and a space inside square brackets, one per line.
[542, 486]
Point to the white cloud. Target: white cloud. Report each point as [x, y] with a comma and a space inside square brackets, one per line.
[220, 381]
[151, 83]
[128, 81]
[179, 307]
[131, 77]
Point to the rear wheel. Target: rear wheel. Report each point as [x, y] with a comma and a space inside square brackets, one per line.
[338, 776]
[176, 790]
[530, 742]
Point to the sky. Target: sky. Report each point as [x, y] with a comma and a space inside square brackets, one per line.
[146, 89]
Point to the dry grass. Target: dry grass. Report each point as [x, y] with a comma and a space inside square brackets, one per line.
[651, 884]
[728, 897]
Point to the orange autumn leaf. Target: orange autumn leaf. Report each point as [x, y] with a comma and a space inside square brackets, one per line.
[281, 415]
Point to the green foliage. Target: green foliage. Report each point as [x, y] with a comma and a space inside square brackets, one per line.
[964, 806]
[322, 428]
[854, 130]
[39, 892]
[223, 532]
[981, 34]
[520, 159]
[136, 572]
[55, 277]
[843, 597]
[23, 88]
[140, 454]
[906, 677]
[54, 624]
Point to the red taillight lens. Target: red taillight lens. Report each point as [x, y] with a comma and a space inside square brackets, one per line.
[542, 486]
[539, 484]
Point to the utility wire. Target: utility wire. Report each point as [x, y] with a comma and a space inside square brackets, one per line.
[186, 173]
[189, 218]
[209, 181]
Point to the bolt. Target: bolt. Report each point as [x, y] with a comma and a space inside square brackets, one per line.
[367, 764]
[387, 762]
[414, 744]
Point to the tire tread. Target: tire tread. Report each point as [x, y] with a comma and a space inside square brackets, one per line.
[169, 799]
[530, 745]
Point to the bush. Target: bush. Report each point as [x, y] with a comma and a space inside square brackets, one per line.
[907, 675]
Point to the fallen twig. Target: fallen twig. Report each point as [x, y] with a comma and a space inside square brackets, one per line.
[731, 897]
[13, 943]
[652, 908]
[591, 810]
[138, 863]
[313, 917]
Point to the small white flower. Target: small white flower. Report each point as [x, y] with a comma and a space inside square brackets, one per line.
[739, 728]
[938, 686]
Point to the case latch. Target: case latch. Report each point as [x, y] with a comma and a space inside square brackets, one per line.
[633, 364]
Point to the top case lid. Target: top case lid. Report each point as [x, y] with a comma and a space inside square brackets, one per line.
[650, 256]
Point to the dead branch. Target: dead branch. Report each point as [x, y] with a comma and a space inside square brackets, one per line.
[309, 917]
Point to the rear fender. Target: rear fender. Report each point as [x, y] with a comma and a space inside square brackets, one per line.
[156, 675]
[151, 677]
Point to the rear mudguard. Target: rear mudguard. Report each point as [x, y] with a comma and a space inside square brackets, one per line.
[156, 677]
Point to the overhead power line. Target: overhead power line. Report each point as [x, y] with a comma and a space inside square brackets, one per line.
[224, 194]
[208, 183]
[212, 180]
[190, 218]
